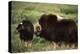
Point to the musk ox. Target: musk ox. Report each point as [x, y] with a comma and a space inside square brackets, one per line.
[64, 30]
[26, 30]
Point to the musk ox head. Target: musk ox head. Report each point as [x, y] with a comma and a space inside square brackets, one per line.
[45, 21]
[20, 27]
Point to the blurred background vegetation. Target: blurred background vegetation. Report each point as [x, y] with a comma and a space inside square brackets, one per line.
[32, 12]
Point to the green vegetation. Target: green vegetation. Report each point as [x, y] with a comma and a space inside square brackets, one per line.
[32, 12]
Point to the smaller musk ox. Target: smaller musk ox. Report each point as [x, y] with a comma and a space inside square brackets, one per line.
[64, 30]
[26, 31]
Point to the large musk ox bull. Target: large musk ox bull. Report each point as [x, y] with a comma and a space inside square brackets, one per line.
[26, 30]
[64, 30]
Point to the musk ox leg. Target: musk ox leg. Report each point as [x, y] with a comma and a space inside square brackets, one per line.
[30, 44]
[26, 44]
[67, 46]
[70, 45]
[55, 45]
[73, 46]
[62, 46]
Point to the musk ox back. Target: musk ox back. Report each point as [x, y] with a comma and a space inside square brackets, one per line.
[64, 30]
[25, 30]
